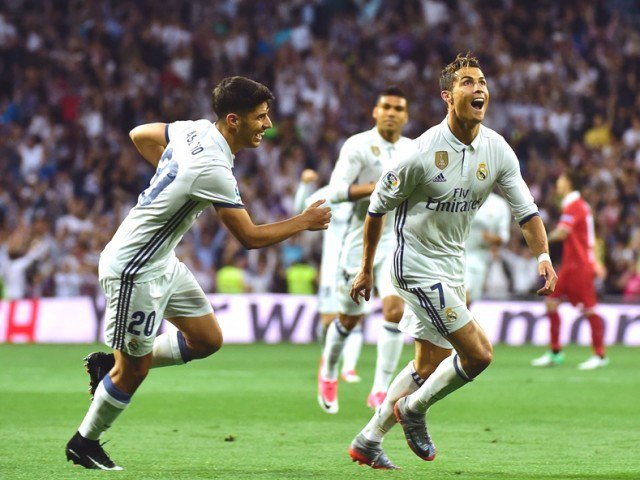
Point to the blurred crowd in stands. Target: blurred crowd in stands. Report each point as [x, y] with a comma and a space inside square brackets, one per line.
[76, 76]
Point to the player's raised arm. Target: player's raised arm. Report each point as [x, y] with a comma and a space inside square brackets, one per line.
[239, 223]
[150, 140]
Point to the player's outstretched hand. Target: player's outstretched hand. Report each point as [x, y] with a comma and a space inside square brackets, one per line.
[546, 271]
[317, 217]
[361, 286]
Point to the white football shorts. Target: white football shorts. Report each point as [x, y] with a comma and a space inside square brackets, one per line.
[435, 310]
[134, 311]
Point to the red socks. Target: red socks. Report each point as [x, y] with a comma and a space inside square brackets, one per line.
[597, 333]
[554, 319]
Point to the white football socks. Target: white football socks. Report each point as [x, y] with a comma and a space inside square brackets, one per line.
[447, 378]
[108, 403]
[390, 341]
[351, 350]
[333, 345]
[406, 382]
[170, 348]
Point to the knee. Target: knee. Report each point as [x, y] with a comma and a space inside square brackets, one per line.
[349, 322]
[479, 361]
[393, 313]
[486, 357]
[205, 346]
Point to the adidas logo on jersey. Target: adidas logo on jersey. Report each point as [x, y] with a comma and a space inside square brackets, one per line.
[440, 178]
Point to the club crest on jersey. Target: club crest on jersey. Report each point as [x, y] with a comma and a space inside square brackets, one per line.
[391, 180]
[452, 316]
[133, 345]
[442, 160]
[482, 173]
[375, 150]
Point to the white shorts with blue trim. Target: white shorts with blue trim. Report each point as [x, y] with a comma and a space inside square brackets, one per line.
[328, 299]
[134, 311]
[435, 311]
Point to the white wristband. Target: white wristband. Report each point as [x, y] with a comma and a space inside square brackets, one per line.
[544, 257]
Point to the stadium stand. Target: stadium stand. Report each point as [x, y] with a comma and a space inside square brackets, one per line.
[75, 77]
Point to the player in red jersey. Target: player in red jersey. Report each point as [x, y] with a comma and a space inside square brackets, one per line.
[577, 273]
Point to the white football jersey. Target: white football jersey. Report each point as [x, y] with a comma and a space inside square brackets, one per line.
[494, 217]
[362, 159]
[193, 173]
[436, 192]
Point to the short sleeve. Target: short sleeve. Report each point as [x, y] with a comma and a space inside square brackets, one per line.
[395, 185]
[216, 184]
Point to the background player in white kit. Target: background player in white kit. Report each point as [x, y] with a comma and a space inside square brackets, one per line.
[489, 229]
[139, 272]
[332, 242]
[435, 193]
[362, 159]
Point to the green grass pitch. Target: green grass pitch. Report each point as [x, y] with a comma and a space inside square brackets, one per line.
[250, 412]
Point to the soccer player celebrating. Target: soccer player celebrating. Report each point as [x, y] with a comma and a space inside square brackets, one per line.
[435, 192]
[142, 278]
[362, 160]
[489, 229]
[332, 241]
[577, 272]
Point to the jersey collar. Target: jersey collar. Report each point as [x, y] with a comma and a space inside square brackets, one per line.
[224, 146]
[570, 198]
[385, 143]
[456, 144]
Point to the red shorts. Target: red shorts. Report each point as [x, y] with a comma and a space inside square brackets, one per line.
[576, 285]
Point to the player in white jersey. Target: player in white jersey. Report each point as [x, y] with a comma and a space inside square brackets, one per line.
[332, 241]
[489, 229]
[362, 160]
[435, 192]
[143, 280]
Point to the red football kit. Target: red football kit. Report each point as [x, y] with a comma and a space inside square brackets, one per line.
[577, 272]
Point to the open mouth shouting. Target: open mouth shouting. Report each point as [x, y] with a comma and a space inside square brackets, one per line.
[478, 103]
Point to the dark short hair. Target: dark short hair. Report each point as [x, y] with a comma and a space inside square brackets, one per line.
[393, 91]
[576, 178]
[238, 95]
[448, 73]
